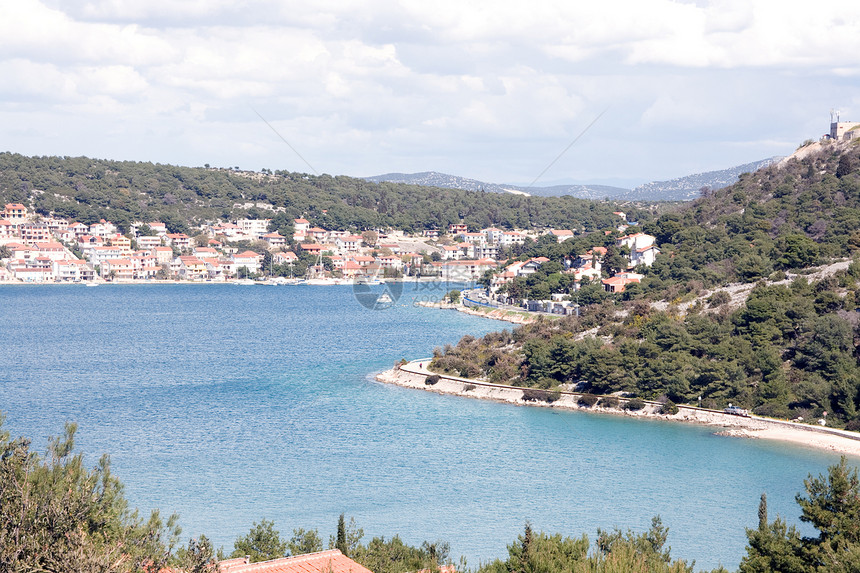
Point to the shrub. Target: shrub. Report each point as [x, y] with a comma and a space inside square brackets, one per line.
[669, 408]
[634, 404]
[539, 395]
[587, 400]
[609, 402]
[719, 298]
[853, 425]
[432, 379]
[773, 410]
[468, 387]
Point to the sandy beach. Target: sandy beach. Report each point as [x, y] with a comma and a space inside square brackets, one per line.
[413, 375]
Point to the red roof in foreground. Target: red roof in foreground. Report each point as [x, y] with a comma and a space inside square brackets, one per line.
[332, 561]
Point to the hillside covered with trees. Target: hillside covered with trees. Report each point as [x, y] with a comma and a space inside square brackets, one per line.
[790, 350]
[88, 190]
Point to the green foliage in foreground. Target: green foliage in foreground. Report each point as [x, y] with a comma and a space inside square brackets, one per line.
[263, 542]
[832, 506]
[614, 551]
[57, 515]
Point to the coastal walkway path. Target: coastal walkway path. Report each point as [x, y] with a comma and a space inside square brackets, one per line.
[420, 368]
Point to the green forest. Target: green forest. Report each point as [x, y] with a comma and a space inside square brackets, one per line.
[123, 192]
[790, 350]
[58, 515]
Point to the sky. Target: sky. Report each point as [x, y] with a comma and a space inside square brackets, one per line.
[618, 92]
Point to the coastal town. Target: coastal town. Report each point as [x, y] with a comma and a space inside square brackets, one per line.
[45, 249]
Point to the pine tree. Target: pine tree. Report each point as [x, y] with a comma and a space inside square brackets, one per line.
[341, 534]
[762, 513]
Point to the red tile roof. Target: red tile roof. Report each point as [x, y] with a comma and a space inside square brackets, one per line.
[332, 561]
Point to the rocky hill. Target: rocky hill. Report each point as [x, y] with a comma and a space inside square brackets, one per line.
[680, 189]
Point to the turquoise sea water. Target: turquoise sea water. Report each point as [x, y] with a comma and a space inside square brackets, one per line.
[230, 404]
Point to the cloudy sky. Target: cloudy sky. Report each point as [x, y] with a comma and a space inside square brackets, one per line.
[493, 90]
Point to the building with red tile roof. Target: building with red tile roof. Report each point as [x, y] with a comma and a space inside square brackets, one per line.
[331, 561]
[15, 213]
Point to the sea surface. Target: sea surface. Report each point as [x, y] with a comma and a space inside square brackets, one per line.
[229, 404]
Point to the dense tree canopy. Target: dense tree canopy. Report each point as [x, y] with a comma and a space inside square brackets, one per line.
[181, 197]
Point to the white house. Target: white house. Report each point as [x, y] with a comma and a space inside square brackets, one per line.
[636, 241]
[644, 256]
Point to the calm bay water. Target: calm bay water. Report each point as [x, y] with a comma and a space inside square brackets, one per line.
[230, 404]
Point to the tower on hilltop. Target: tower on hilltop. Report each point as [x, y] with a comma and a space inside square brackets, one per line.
[840, 130]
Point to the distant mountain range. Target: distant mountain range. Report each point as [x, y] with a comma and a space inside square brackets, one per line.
[680, 189]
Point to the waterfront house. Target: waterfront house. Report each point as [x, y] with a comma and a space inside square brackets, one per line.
[118, 269]
[192, 269]
[162, 254]
[392, 262]
[351, 269]
[248, 259]
[363, 260]
[286, 257]
[32, 274]
[214, 268]
[70, 270]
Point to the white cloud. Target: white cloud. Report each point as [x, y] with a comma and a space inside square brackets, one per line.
[359, 83]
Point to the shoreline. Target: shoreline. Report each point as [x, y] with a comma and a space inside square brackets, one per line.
[413, 374]
[513, 316]
[121, 282]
